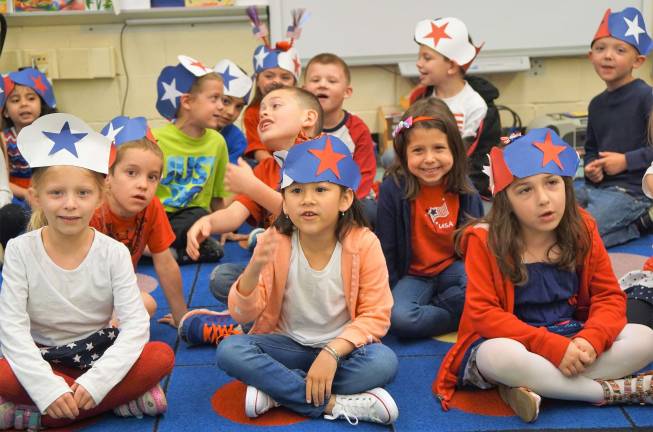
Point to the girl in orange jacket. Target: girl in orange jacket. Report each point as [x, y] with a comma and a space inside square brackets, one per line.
[317, 289]
[544, 314]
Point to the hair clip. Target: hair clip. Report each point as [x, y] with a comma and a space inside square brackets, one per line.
[505, 140]
[408, 122]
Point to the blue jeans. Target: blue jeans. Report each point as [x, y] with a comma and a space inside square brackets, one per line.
[615, 211]
[429, 306]
[223, 277]
[277, 365]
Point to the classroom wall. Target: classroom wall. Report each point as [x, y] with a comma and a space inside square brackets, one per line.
[557, 84]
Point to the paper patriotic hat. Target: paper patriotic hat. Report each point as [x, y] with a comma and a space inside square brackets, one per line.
[282, 55]
[123, 129]
[540, 151]
[63, 139]
[449, 37]
[628, 26]
[322, 159]
[175, 81]
[236, 82]
[29, 77]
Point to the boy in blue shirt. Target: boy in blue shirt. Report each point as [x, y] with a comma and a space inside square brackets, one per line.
[617, 152]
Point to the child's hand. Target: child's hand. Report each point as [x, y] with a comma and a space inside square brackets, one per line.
[613, 163]
[320, 378]
[266, 247]
[64, 406]
[573, 361]
[168, 319]
[82, 398]
[587, 348]
[200, 230]
[238, 177]
[594, 171]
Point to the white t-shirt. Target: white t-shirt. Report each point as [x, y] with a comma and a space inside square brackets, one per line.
[469, 109]
[314, 310]
[42, 303]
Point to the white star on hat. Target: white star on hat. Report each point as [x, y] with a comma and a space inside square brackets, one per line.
[170, 92]
[260, 57]
[111, 134]
[634, 29]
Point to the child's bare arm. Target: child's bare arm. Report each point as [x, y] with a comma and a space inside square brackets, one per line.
[221, 221]
[169, 275]
[240, 179]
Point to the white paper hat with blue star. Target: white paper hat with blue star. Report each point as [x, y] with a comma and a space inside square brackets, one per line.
[63, 139]
[236, 82]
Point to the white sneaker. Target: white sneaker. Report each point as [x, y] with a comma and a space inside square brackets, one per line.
[257, 402]
[375, 405]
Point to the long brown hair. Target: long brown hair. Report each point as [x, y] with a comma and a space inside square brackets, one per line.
[506, 243]
[352, 217]
[456, 180]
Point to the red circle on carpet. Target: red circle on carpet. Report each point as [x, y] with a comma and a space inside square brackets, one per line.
[229, 402]
[483, 402]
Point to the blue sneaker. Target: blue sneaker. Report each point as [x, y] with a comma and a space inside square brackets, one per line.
[205, 327]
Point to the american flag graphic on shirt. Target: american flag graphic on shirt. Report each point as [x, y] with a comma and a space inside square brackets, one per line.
[438, 212]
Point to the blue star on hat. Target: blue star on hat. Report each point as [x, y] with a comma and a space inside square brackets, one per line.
[236, 81]
[322, 159]
[227, 78]
[64, 140]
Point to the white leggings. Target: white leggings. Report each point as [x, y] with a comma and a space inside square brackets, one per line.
[508, 362]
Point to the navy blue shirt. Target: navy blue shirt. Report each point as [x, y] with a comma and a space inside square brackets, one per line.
[618, 122]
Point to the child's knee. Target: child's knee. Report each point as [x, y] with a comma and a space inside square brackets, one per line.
[229, 353]
[149, 303]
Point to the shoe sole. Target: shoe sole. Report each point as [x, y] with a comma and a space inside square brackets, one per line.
[522, 401]
[196, 312]
[388, 402]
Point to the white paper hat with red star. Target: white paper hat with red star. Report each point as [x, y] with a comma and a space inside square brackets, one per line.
[282, 55]
[236, 82]
[540, 151]
[175, 81]
[322, 159]
[63, 139]
[628, 26]
[449, 37]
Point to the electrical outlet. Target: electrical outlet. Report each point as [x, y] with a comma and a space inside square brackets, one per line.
[45, 61]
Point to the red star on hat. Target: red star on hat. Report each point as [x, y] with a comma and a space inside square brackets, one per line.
[550, 150]
[38, 83]
[438, 33]
[200, 65]
[328, 159]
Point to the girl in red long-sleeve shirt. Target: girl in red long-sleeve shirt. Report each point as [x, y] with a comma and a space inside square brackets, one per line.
[543, 314]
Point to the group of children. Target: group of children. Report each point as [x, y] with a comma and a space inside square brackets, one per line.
[529, 287]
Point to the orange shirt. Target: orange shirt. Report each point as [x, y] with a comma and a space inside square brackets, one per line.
[250, 120]
[433, 221]
[149, 228]
[269, 172]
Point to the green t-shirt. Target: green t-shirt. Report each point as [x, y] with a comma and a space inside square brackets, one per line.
[193, 168]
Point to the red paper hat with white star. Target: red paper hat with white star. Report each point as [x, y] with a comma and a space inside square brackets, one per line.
[63, 139]
[628, 26]
[449, 37]
[34, 79]
[282, 55]
[236, 82]
[175, 81]
[540, 151]
[322, 159]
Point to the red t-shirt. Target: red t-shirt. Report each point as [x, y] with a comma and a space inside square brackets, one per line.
[433, 220]
[269, 172]
[149, 228]
[250, 120]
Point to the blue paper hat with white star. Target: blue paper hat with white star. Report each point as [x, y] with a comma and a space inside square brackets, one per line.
[63, 139]
[268, 58]
[175, 81]
[235, 81]
[322, 159]
[37, 81]
[122, 129]
[5, 86]
[540, 151]
[628, 26]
